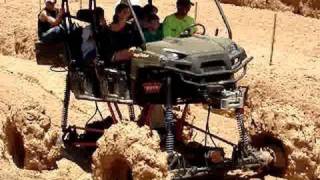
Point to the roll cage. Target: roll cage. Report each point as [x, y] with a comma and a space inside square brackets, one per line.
[93, 5]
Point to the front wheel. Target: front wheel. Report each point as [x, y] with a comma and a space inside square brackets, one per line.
[127, 151]
[276, 147]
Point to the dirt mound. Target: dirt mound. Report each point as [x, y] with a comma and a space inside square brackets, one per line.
[2, 118]
[24, 43]
[29, 139]
[18, 32]
[298, 134]
[303, 7]
[127, 147]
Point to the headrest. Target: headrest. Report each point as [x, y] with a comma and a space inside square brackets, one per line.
[85, 15]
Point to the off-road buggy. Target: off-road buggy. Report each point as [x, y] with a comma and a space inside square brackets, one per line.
[175, 71]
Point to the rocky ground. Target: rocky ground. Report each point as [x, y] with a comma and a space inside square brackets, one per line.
[284, 99]
[303, 7]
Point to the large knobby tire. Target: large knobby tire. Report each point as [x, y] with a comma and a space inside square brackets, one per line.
[29, 138]
[127, 151]
[274, 145]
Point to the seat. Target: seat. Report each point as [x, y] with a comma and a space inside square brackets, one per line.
[85, 15]
[52, 54]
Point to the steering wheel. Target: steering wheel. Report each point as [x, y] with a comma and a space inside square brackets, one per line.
[187, 32]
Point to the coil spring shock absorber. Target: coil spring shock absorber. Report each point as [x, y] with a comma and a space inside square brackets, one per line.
[169, 119]
[66, 100]
[131, 112]
[244, 138]
[169, 127]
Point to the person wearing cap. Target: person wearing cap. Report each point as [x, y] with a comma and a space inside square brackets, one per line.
[49, 20]
[176, 23]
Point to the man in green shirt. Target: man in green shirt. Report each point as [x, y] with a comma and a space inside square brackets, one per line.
[176, 23]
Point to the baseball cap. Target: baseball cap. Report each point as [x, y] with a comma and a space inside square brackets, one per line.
[185, 2]
[51, 1]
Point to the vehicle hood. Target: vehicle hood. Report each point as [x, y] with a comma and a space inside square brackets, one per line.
[191, 45]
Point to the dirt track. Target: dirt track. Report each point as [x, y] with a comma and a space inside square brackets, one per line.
[285, 97]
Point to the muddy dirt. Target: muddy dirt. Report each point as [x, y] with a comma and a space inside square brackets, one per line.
[28, 137]
[17, 35]
[298, 137]
[137, 153]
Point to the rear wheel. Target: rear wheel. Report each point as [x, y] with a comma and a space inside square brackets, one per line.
[29, 138]
[126, 151]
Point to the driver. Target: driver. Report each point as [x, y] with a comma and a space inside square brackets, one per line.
[176, 23]
[49, 20]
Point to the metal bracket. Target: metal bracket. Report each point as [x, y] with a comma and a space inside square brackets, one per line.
[232, 99]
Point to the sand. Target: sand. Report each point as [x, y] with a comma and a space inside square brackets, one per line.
[121, 148]
[284, 98]
[29, 139]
